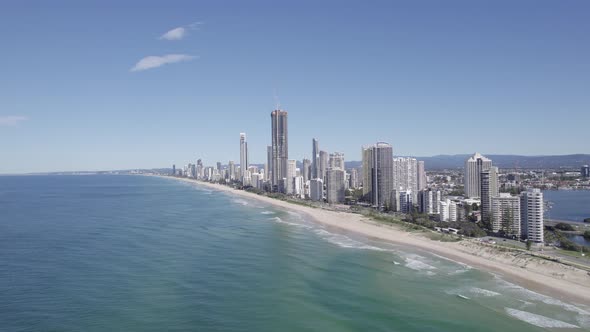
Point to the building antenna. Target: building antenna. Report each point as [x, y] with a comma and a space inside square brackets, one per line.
[277, 102]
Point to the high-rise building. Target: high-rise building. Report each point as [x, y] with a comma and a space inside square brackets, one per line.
[173, 169]
[443, 208]
[394, 201]
[367, 169]
[298, 187]
[280, 145]
[232, 170]
[335, 185]
[421, 175]
[219, 166]
[406, 202]
[473, 168]
[336, 160]
[306, 169]
[437, 197]
[452, 210]
[316, 189]
[506, 214]
[531, 209]
[290, 174]
[378, 171]
[486, 195]
[323, 165]
[243, 156]
[585, 171]
[269, 163]
[200, 170]
[426, 201]
[315, 159]
[494, 185]
[354, 182]
[405, 175]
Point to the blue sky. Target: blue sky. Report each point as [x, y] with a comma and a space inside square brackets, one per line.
[429, 77]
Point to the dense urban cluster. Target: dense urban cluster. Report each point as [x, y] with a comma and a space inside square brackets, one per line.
[509, 205]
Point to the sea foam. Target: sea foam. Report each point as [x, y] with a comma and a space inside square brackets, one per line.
[538, 320]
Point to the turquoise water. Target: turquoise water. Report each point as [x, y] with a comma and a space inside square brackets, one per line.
[133, 253]
[572, 205]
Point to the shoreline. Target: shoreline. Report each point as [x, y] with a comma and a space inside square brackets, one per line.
[546, 277]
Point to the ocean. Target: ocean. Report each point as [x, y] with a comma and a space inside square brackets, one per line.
[138, 253]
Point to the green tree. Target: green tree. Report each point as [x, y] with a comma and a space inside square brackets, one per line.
[529, 243]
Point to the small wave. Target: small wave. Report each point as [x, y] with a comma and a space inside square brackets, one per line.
[529, 294]
[267, 212]
[484, 292]
[417, 265]
[344, 241]
[240, 201]
[281, 221]
[396, 263]
[538, 320]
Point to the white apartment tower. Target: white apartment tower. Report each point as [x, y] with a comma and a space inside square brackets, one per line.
[531, 209]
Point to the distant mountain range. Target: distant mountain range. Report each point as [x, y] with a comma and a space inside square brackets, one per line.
[571, 161]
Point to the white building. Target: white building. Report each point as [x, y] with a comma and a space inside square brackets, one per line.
[443, 208]
[473, 168]
[506, 214]
[531, 208]
[291, 173]
[405, 175]
[298, 186]
[452, 210]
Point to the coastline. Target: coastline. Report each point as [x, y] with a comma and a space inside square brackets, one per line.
[546, 277]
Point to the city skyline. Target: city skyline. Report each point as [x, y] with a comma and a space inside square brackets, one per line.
[184, 79]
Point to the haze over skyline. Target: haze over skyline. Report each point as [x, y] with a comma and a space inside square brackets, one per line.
[101, 85]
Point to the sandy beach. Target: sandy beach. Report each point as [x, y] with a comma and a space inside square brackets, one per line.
[543, 276]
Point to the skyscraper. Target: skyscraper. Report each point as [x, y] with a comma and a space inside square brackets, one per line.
[173, 169]
[232, 170]
[268, 170]
[585, 171]
[378, 171]
[290, 175]
[486, 195]
[323, 165]
[473, 168]
[506, 214]
[280, 146]
[405, 175]
[354, 178]
[315, 160]
[243, 156]
[531, 209]
[306, 169]
[426, 201]
[335, 185]
[421, 175]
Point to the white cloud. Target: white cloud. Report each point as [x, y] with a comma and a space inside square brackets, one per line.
[180, 32]
[155, 61]
[11, 120]
[174, 34]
